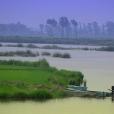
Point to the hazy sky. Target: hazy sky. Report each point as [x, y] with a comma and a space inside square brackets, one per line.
[33, 12]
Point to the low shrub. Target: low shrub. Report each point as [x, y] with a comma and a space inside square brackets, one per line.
[4, 95]
[31, 46]
[46, 54]
[40, 63]
[66, 55]
[41, 94]
[27, 53]
[20, 45]
[109, 48]
[20, 95]
[57, 55]
[74, 82]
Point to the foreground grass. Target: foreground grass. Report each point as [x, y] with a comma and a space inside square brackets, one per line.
[34, 82]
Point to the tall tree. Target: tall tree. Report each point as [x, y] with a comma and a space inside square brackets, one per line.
[41, 29]
[64, 23]
[96, 29]
[52, 24]
[90, 30]
[110, 28]
[75, 28]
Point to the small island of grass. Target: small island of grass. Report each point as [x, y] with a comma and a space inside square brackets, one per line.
[34, 80]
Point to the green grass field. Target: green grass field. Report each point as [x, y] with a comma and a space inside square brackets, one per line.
[26, 75]
[29, 82]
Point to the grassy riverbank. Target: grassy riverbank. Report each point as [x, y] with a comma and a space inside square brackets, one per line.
[34, 80]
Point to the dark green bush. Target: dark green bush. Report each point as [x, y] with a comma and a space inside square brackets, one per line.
[74, 82]
[20, 95]
[41, 94]
[4, 95]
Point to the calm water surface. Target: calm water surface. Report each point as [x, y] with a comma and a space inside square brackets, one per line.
[63, 106]
[98, 68]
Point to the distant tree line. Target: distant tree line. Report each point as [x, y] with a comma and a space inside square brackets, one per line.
[65, 28]
[17, 29]
[109, 48]
[62, 28]
[29, 53]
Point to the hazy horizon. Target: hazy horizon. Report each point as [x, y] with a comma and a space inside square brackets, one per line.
[34, 12]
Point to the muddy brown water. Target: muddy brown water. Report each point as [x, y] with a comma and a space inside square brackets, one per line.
[98, 68]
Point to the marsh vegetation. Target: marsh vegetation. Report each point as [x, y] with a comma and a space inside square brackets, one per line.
[34, 80]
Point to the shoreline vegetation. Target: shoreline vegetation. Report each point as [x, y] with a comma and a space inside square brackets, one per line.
[53, 40]
[34, 80]
[56, 47]
[29, 53]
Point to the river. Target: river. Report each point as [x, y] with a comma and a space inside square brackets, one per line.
[61, 106]
[98, 68]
